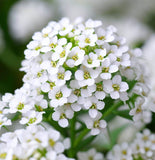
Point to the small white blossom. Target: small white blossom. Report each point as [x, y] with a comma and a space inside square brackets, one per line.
[59, 96]
[90, 154]
[116, 88]
[31, 118]
[62, 114]
[96, 125]
[93, 104]
[75, 57]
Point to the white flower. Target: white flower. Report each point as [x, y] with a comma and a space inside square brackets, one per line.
[65, 26]
[96, 125]
[27, 18]
[59, 96]
[62, 114]
[101, 53]
[93, 104]
[98, 89]
[5, 152]
[60, 53]
[50, 44]
[86, 76]
[91, 60]
[136, 112]
[34, 48]
[90, 154]
[46, 87]
[20, 102]
[53, 141]
[75, 57]
[31, 118]
[116, 88]
[104, 36]
[87, 40]
[4, 121]
[122, 151]
[61, 76]
[107, 68]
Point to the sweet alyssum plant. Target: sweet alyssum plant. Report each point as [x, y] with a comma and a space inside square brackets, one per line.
[79, 76]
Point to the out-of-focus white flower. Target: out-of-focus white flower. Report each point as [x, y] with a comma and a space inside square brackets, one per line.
[31, 118]
[34, 142]
[25, 18]
[142, 147]
[140, 32]
[149, 56]
[90, 154]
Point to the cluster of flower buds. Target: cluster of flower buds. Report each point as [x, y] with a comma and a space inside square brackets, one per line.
[33, 143]
[142, 148]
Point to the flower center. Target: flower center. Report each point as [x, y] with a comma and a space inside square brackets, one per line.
[51, 142]
[32, 120]
[62, 54]
[20, 106]
[86, 75]
[118, 59]
[77, 92]
[52, 45]
[54, 63]
[100, 57]
[3, 155]
[116, 87]
[101, 38]
[124, 152]
[87, 40]
[39, 74]
[94, 106]
[45, 35]
[37, 48]
[89, 61]
[62, 116]
[52, 84]
[99, 87]
[96, 124]
[58, 95]
[61, 76]
[75, 57]
[138, 110]
[105, 69]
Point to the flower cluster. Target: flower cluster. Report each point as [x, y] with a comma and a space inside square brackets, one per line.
[143, 147]
[74, 67]
[33, 143]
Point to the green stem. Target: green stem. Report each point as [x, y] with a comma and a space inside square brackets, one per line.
[80, 137]
[57, 127]
[111, 109]
[109, 134]
[85, 143]
[72, 129]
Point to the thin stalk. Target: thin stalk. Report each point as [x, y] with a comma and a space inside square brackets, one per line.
[80, 137]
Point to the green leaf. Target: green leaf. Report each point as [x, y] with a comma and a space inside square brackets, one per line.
[123, 114]
[16, 117]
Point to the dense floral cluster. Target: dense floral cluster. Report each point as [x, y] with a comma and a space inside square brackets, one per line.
[142, 148]
[33, 143]
[79, 66]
